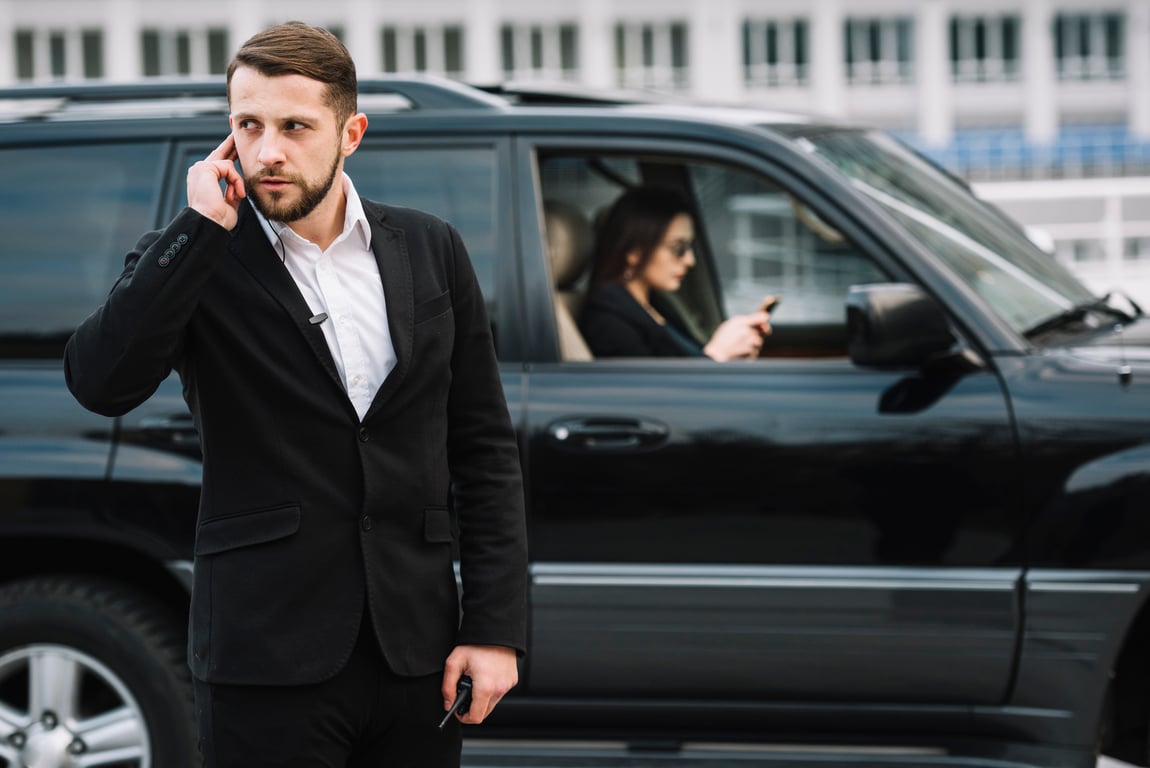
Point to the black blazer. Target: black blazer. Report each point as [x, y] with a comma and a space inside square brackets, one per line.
[614, 324]
[307, 514]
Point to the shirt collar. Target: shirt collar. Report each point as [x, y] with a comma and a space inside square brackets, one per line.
[354, 220]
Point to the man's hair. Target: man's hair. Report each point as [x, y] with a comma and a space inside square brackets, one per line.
[295, 48]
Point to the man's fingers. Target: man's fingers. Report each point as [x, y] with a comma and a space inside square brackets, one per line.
[225, 151]
[482, 704]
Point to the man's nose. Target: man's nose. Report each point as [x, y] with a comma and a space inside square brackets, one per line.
[271, 149]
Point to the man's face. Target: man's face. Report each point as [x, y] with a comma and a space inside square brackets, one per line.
[289, 144]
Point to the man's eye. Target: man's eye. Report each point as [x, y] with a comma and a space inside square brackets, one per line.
[247, 125]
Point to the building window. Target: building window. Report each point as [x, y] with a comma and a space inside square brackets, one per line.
[880, 51]
[219, 51]
[58, 53]
[92, 50]
[775, 52]
[183, 51]
[651, 56]
[25, 55]
[1078, 252]
[985, 49]
[430, 49]
[1090, 46]
[540, 51]
[1137, 249]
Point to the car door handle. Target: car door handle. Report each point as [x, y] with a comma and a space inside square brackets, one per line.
[608, 434]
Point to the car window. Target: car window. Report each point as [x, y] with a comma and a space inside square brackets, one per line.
[754, 238]
[70, 214]
[455, 184]
[765, 241]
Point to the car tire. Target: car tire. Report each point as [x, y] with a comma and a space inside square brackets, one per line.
[92, 668]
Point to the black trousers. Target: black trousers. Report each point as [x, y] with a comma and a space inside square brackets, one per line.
[364, 717]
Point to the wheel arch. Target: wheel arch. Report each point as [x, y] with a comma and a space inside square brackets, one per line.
[26, 557]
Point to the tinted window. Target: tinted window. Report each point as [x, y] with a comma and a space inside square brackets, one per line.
[69, 216]
[457, 185]
[754, 238]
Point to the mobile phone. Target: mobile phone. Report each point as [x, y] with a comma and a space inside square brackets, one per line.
[770, 304]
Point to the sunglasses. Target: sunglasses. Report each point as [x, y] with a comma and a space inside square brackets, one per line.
[680, 247]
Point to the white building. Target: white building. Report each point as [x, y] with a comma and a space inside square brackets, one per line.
[998, 90]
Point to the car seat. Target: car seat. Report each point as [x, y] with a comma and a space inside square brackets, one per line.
[569, 243]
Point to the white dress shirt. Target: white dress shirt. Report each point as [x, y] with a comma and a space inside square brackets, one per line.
[343, 283]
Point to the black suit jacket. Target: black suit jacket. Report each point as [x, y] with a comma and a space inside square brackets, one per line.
[614, 324]
[307, 514]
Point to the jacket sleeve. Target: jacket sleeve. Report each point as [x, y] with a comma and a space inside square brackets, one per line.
[126, 348]
[487, 485]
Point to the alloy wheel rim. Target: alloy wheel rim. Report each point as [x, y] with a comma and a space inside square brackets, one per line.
[61, 708]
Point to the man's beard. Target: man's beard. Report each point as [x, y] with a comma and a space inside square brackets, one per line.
[311, 195]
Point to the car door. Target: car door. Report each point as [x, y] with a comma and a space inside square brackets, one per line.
[71, 210]
[793, 528]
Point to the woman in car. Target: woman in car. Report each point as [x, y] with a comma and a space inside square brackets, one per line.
[645, 246]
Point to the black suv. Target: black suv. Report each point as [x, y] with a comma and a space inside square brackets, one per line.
[919, 524]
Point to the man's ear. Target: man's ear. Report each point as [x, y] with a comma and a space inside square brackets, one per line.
[353, 131]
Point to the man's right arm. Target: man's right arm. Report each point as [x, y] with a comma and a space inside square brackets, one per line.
[122, 351]
[120, 354]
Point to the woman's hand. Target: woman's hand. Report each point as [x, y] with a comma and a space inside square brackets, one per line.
[738, 337]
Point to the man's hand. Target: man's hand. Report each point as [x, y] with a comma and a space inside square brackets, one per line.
[204, 193]
[493, 673]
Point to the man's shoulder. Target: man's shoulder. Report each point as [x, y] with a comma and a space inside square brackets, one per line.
[399, 216]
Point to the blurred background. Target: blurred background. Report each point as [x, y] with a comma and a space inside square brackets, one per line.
[1042, 105]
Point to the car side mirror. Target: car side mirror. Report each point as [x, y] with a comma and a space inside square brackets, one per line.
[896, 325]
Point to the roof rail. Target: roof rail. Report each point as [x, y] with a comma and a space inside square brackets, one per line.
[430, 92]
[422, 91]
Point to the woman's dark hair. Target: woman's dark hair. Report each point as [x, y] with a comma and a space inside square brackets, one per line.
[637, 220]
[295, 48]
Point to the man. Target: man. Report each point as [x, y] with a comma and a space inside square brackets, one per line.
[339, 365]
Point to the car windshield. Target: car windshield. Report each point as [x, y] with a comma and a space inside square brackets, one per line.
[1025, 285]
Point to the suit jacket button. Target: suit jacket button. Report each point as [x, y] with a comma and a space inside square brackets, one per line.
[364, 435]
[365, 523]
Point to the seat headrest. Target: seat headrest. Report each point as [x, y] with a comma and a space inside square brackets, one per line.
[568, 242]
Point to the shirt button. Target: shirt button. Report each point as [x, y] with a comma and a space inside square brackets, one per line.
[364, 435]
[365, 523]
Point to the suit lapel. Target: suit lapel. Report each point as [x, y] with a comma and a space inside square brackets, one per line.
[251, 248]
[390, 248]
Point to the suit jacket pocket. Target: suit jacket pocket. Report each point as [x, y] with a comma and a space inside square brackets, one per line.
[433, 307]
[244, 529]
[437, 525]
